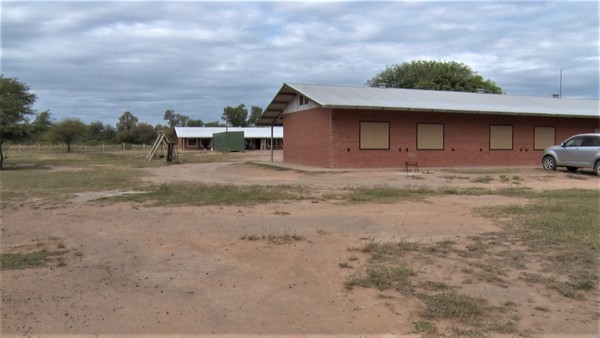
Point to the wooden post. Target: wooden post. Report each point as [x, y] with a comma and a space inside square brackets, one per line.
[271, 143]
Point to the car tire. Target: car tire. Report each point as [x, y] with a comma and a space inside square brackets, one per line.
[549, 163]
[572, 169]
[597, 168]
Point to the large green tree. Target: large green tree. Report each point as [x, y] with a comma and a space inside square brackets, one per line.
[235, 116]
[39, 126]
[101, 133]
[214, 124]
[195, 123]
[125, 127]
[435, 75]
[127, 121]
[68, 131]
[175, 119]
[255, 114]
[143, 133]
[15, 106]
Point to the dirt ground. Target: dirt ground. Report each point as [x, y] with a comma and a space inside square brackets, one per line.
[142, 270]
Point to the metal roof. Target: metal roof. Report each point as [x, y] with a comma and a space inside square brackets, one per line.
[207, 132]
[348, 97]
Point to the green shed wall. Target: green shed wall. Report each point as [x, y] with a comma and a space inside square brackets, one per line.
[228, 141]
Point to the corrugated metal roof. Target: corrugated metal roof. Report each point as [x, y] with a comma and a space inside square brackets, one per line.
[348, 97]
[207, 132]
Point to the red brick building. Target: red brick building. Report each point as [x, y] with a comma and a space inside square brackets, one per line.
[366, 127]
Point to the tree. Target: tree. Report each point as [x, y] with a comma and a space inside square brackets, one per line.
[195, 123]
[214, 124]
[127, 121]
[68, 131]
[235, 117]
[255, 114]
[175, 119]
[101, 133]
[435, 75]
[15, 106]
[143, 133]
[40, 125]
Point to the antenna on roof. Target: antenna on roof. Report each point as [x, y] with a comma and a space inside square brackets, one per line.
[559, 95]
[560, 85]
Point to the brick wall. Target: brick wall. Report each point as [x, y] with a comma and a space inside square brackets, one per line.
[307, 137]
[182, 144]
[466, 138]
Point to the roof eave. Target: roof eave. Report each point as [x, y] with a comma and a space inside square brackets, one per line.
[474, 112]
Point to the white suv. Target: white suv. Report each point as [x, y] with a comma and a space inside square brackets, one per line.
[579, 151]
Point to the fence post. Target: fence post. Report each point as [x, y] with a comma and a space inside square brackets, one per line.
[38, 147]
[102, 147]
[123, 146]
[19, 146]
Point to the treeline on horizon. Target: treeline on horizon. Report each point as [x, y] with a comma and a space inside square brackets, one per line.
[128, 128]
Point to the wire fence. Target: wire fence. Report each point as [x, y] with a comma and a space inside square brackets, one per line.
[41, 147]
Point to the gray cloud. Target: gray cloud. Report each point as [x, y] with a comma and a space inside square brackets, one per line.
[94, 60]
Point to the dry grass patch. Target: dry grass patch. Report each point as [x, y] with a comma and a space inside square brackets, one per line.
[276, 239]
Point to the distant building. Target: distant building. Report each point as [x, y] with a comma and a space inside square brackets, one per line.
[368, 127]
[255, 138]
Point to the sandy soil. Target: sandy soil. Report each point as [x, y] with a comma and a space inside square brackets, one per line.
[142, 270]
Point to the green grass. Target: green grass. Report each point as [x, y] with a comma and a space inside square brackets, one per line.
[452, 305]
[482, 171]
[33, 159]
[19, 261]
[214, 194]
[482, 179]
[59, 185]
[423, 326]
[383, 278]
[455, 177]
[562, 227]
[434, 286]
[556, 218]
[345, 265]
[388, 194]
[322, 232]
[385, 194]
[381, 252]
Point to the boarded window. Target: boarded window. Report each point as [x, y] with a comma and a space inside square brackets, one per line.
[543, 137]
[430, 136]
[501, 137]
[374, 135]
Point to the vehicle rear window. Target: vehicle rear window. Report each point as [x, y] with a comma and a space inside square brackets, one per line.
[591, 141]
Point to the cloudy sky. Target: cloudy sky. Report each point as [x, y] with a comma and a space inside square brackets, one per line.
[95, 60]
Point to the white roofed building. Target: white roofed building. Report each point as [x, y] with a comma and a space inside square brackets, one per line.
[255, 138]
